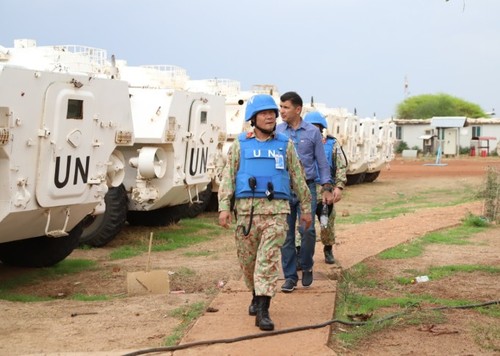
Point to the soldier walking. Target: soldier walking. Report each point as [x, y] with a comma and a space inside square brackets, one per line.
[261, 169]
[338, 167]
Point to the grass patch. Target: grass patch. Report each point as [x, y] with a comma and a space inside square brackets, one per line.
[384, 313]
[405, 250]
[187, 315]
[445, 271]
[89, 298]
[436, 273]
[22, 298]
[198, 253]
[488, 337]
[404, 204]
[65, 267]
[185, 272]
[358, 304]
[454, 236]
[185, 233]
[356, 290]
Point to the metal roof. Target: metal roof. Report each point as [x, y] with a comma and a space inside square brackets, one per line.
[448, 121]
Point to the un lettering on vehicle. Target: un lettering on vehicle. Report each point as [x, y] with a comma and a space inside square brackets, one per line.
[198, 161]
[78, 170]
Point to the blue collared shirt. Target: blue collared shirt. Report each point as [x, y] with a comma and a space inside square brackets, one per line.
[309, 146]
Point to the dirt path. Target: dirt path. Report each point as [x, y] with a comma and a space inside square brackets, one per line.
[131, 323]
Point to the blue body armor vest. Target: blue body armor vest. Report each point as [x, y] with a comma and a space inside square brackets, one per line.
[328, 146]
[266, 162]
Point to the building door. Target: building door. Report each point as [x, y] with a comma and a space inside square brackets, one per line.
[450, 141]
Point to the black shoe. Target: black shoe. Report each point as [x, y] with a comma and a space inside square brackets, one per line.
[307, 278]
[288, 286]
[252, 309]
[329, 257]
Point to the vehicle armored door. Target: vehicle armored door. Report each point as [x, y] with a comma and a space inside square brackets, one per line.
[66, 140]
[200, 144]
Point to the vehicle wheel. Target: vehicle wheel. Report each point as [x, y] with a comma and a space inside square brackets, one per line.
[101, 229]
[42, 251]
[370, 177]
[213, 204]
[357, 178]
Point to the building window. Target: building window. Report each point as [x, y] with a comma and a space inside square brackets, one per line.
[399, 133]
[203, 117]
[476, 131]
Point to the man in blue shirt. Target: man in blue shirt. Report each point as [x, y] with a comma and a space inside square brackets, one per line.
[309, 146]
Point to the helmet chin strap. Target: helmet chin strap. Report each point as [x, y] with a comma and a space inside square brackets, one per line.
[267, 132]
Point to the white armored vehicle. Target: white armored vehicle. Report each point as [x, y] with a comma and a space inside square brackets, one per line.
[59, 129]
[367, 142]
[164, 159]
[179, 136]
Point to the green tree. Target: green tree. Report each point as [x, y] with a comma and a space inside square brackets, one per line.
[428, 105]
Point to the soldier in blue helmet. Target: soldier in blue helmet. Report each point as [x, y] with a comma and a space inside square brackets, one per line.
[261, 169]
[338, 167]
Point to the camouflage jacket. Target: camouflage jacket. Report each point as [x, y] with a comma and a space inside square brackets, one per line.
[340, 164]
[263, 205]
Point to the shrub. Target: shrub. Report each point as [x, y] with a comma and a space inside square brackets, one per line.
[400, 147]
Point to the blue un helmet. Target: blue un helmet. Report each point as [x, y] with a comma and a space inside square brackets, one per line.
[315, 117]
[258, 103]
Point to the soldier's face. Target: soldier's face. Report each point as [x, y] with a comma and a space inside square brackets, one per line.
[266, 119]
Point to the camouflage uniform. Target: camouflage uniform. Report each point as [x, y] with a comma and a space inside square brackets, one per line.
[259, 252]
[340, 180]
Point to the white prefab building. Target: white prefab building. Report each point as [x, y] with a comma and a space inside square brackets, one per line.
[452, 133]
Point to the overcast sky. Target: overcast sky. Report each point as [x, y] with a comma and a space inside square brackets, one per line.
[350, 53]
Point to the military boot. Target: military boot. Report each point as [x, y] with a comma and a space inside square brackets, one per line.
[263, 320]
[252, 309]
[327, 249]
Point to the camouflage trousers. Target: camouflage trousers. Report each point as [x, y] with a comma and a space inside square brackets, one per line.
[259, 253]
[327, 235]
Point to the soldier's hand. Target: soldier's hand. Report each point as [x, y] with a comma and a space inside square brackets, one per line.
[225, 218]
[337, 194]
[306, 220]
[328, 198]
